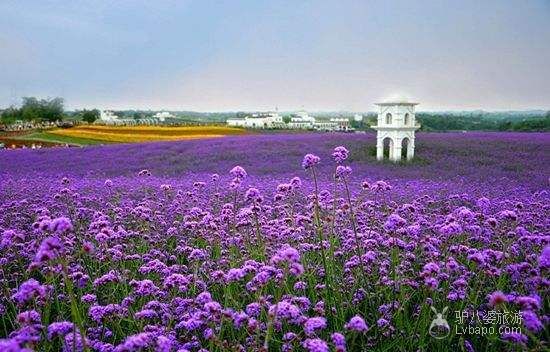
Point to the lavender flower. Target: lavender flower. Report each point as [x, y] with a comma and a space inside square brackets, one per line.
[496, 298]
[135, 342]
[310, 161]
[514, 337]
[49, 249]
[544, 259]
[59, 329]
[315, 345]
[28, 317]
[88, 298]
[28, 291]
[285, 310]
[238, 172]
[339, 342]
[313, 324]
[342, 172]
[531, 321]
[74, 342]
[340, 154]
[61, 225]
[357, 324]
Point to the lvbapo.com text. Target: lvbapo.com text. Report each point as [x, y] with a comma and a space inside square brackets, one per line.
[486, 330]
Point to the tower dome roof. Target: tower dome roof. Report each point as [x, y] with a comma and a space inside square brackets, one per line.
[396, 102]
[396, 99]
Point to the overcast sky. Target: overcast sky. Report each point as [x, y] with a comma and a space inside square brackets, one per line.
[258, 55]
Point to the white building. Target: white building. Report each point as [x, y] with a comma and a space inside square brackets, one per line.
[301, 120]
[395, 127]
[162, 116]
[334, 124]
[258, 120]
[107, 116]
[341, 124]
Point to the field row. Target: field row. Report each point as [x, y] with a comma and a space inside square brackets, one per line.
[87, 135]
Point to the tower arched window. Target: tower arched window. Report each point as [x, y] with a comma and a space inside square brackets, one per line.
[407, 119]
[388, 119]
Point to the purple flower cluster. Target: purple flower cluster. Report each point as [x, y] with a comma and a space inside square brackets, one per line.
[310, 161]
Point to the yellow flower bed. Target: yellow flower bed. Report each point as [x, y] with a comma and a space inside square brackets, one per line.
[212, 129]
[133, 134]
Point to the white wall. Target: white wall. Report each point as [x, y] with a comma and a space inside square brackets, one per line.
[398, 115]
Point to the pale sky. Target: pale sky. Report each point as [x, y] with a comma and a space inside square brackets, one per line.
[257, 55]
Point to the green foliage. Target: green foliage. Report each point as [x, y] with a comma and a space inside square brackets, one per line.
[484, 121]
[35, 110]
[90, 116]
[531, 124]
[54, 138]
[358, 125]
[286, 119]
[50, 110]
[120, 114]
[10, 115]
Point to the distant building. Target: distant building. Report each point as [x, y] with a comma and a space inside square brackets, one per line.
[107, 116]
[162, 116]
[301, 120]
[341, 124]
[334, 124]
[395, 127]
[258, 120]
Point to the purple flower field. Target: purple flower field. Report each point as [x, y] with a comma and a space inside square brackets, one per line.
[273, 242]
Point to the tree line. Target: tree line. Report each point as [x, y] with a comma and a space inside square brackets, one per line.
[484, 121]
[36, 110]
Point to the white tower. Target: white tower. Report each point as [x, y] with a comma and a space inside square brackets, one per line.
[395, 127]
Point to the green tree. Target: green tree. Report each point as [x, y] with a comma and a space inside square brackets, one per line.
[10, 115]
[286, 119]
[30, 109]
[50, 110]
[505, 126]
[119, 114]
[90, 116]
